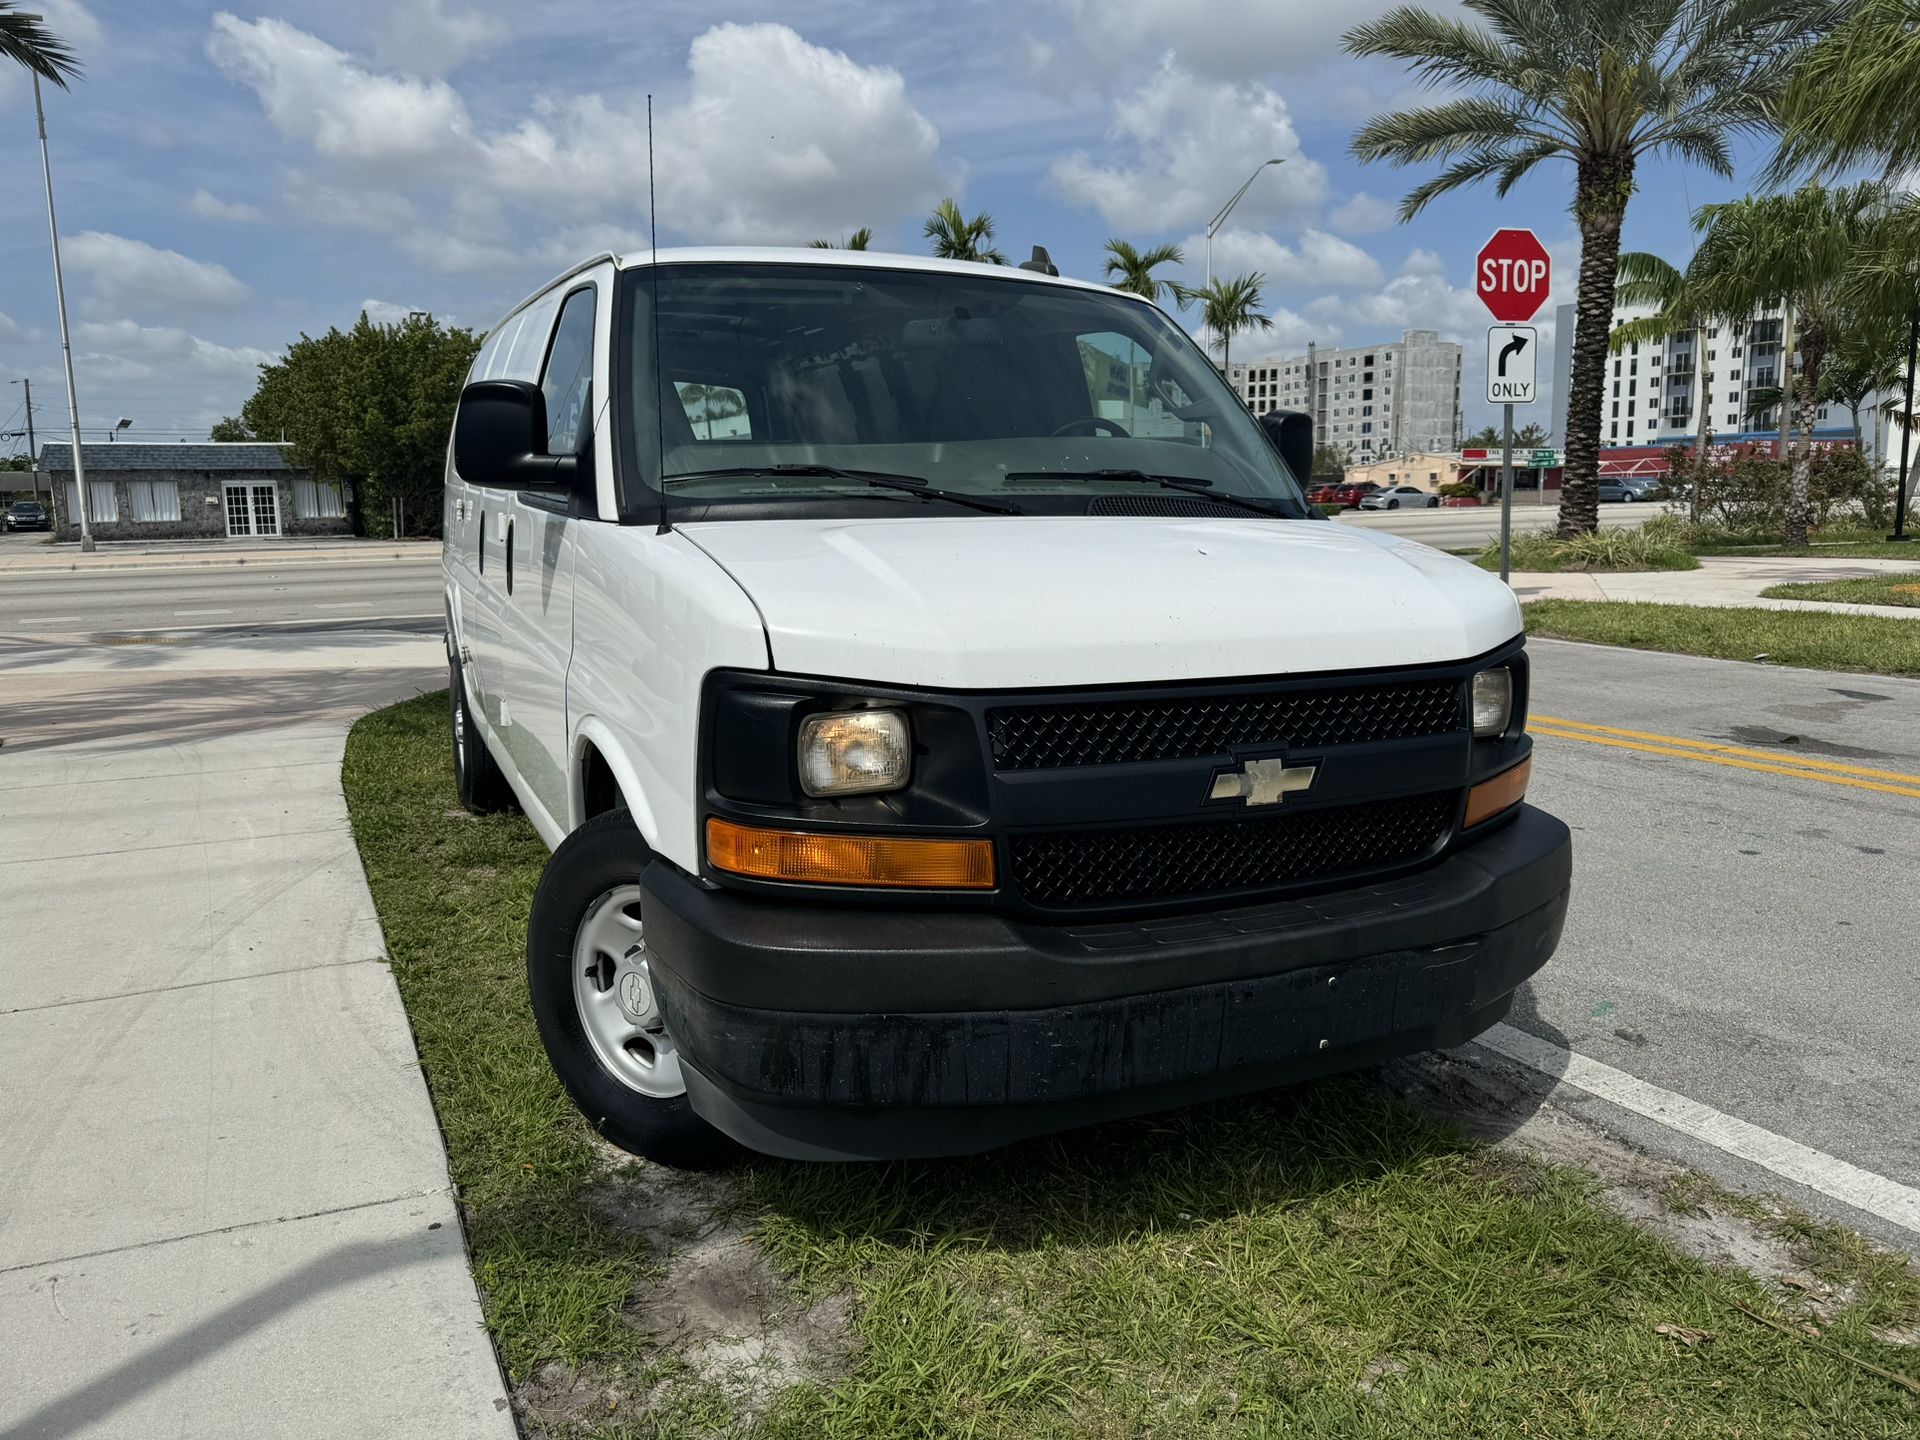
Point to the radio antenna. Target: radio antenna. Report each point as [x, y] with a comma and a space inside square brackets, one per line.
[659, 384]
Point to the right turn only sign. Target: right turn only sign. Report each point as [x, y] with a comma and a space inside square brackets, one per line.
[1513, 364]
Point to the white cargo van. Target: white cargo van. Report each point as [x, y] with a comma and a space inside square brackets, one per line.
[950, 723]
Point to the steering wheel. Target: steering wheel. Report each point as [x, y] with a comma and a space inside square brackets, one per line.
[1093, 425]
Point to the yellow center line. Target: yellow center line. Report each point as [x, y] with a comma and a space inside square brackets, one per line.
[1677, 753]
[1799, 762]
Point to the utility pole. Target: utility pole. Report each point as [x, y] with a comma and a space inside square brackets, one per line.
[33, 450]
[66, 342]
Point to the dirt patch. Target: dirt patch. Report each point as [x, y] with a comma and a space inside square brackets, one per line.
[713, 1303]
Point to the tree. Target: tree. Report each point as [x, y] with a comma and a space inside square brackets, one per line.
[1602, 84]
[955, 237]
[1231, 306]
[1850, 102]
[229, 428]
[859, 240]
[1328, 463]
[1487, 437]
[372, 406]
[25, 40]
[1797, 251]
[1132, 270]
[1530, 437]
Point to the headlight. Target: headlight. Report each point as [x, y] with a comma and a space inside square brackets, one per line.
[1492, 701]
[854, 752]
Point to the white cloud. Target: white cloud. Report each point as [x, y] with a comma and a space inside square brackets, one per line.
[402, 124]
[424, 38]
[1329, 260]
[212, 207]
[775, 140]
[385, 312]
[1226, 38]
[350, 207]
[123, 350]
[1189, 142]
[1362, 214]
[457, 254]
[136, 275]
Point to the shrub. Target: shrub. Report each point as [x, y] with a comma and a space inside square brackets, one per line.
[1748, 495]
[1604, 550]
[1458, 490]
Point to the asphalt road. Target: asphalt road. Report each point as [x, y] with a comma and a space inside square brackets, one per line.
[275, 592]
[1741, 936]
[1473, 526]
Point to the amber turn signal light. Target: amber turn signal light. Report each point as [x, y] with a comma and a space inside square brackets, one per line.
[1504, 791]
[849, 859]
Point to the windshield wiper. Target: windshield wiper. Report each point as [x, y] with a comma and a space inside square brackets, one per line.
[879, 479]
[1192, 484]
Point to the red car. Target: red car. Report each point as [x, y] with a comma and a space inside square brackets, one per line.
[1341, 493]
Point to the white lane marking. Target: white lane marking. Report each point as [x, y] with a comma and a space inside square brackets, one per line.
[1891, 1201]
[50, 620]
[203, 612]
[342, 604]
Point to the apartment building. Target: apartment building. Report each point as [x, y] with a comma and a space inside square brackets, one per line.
[1367, 401]
[1655, 389]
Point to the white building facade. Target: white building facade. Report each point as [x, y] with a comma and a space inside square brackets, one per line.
[1368, 401]
[1655, 389]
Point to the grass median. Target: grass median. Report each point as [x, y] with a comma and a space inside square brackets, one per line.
[1317, 1262]
[1816, 640]
[1902, 590]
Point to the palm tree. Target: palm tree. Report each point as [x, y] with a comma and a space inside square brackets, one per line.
[955, 237]
[1231, 306]
[1798, 251]
[27, 41]
[1132, 270]
[1603, 84]
[859, 240]
[1851, 99]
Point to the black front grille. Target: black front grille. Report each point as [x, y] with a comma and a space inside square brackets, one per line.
[1113, 732]
[1165, 505]
[1198, 859]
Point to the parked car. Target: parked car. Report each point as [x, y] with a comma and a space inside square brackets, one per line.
[1343, 493]
[1398, 497]
[25, 515]
[1611, 491]
[942, 743]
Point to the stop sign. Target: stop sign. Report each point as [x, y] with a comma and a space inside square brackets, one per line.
[1511, 275]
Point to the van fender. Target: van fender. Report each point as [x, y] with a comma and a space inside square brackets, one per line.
[591, 731]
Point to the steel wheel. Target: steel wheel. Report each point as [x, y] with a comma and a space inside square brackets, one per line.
[619, 1006]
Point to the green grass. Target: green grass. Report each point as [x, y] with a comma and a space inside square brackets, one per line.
[1657, 545]
[1320, 1262]
[1816, 640]
[1901, 590]
[1824, 549]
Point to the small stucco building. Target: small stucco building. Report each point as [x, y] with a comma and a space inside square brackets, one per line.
[244, 490]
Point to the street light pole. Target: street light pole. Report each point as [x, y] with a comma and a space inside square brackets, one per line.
[1213, 225]
[66, 342]
[1906, 434]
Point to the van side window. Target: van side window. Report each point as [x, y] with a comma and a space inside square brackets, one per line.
[715, 412]
[569, 369]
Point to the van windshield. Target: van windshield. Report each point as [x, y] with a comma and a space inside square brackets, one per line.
[798, 383]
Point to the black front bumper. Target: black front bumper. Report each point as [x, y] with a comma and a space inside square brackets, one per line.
[823, 1032]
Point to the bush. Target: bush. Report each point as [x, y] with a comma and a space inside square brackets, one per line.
[1458, 490]
[1604, 550]
[1748, 495]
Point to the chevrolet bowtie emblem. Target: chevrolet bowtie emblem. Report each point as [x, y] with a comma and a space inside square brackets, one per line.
[1263, 782]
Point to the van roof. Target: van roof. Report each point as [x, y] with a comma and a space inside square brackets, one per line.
[807, 255]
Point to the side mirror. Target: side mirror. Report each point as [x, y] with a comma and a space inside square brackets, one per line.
[1291, 432]
[500, 438]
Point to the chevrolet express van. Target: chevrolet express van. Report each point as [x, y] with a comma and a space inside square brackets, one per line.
[950, 723]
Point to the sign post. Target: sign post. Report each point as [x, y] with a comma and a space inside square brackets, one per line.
[1511, 274]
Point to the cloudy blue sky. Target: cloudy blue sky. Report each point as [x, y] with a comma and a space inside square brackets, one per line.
[230, 177]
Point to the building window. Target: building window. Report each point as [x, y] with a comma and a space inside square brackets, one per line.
[1366, 394]
[101, 505]
[154, 500]
[317, 500]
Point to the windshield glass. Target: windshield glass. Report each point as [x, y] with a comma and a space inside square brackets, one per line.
[793, 382]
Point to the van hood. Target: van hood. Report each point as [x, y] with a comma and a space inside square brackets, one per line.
[993, 603]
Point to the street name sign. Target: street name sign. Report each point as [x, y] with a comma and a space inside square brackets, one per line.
[1513, 364]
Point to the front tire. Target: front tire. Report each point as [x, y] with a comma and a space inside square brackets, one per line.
[596, 1005]
[477, 777]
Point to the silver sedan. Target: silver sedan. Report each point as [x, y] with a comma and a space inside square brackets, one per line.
[1400, 497]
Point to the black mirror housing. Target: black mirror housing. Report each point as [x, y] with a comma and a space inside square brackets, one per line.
[1291, 432]
[500, 438]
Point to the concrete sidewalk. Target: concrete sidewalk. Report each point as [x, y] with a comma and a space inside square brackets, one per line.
[20, 558]
[224, 1201]
[1722, 580]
